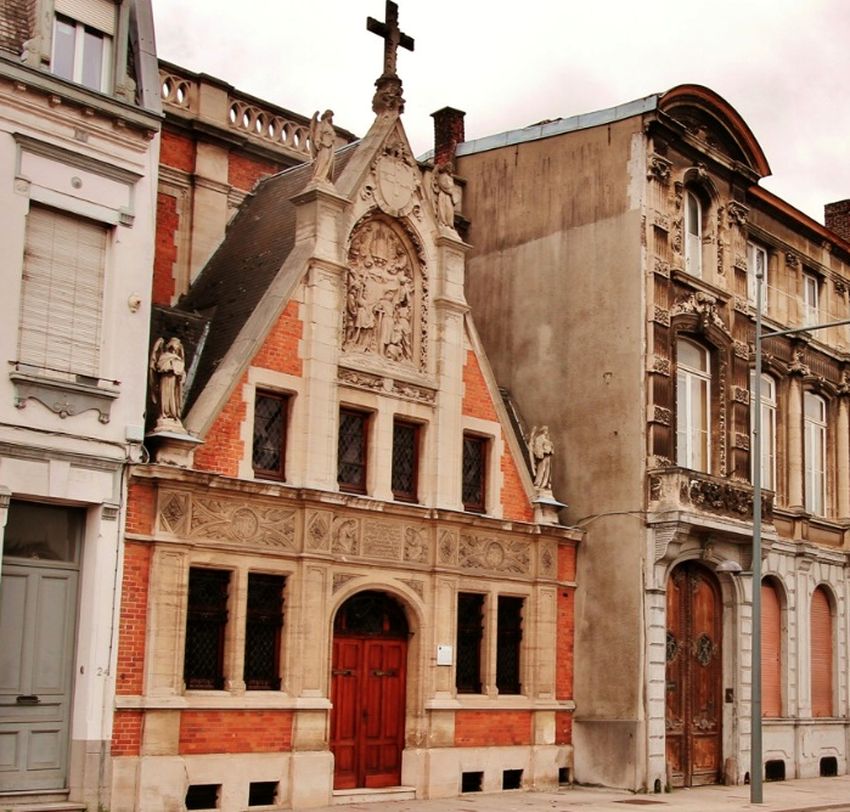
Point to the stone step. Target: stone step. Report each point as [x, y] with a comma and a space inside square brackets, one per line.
[38, 801]
[372, 796]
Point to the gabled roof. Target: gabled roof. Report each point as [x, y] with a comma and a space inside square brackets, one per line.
[257, 242]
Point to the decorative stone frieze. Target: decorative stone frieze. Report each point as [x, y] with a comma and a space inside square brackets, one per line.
[340, 579]
[701, 304]
[494, 555]
[417, 586]
[173, 512]
[547, 560]
[318, 536]
[361, 380]
[345, 538]
[232, 520]
[447, 548]
[382, 540]
[410, 391]
[415, 545]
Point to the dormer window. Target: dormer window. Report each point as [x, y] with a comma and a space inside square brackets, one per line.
[82, 42]
[693, 234]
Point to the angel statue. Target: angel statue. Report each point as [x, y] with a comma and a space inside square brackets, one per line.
[322, 144]
[541, 447]
[444, 194]
[167, 373]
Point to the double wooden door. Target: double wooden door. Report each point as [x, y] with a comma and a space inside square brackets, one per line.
[694, 676]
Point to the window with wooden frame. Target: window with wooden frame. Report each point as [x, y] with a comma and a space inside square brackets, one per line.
[206, 620]
[693, 403]
[693, 233]
[509, 644]
[474, 473]
[405, 462]
[263, 626]
[814, 451]
[821, 653]
[82, 42]
[352, 450]
[271, 412]
[62, 293]
[470, 633]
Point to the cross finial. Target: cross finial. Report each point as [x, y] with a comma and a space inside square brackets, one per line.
[392, 35]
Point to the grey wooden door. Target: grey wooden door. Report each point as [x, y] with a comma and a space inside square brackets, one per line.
[37, 625]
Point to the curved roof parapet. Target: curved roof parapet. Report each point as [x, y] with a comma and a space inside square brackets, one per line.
[695, 105]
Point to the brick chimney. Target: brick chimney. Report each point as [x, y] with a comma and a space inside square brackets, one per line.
[837, 218]
[448, 133]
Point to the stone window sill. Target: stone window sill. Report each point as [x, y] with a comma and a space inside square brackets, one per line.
[67, 398]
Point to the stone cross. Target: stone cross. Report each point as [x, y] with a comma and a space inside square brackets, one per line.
[392, 35]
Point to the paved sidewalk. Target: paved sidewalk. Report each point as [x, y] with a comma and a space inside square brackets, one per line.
[804, 795]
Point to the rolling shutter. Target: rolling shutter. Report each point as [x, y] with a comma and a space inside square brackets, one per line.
[771, 651]
[62, 293]
[821, 654]
[99, 14]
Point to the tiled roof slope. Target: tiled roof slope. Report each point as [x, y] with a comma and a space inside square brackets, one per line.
[256, 244]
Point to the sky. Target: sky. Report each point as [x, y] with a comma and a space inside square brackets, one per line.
[782, 64]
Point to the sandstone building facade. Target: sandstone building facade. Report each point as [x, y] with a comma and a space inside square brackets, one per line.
[79, 138]
[614, 258]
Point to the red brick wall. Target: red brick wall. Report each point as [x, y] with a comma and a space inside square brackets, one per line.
[223, 447]
[477, 402]
[565, 637]
[492, 728]
[244, 172]
[235, 732]
[167, 225]
[133, 621]
[564, 727]
[127, 733]
[141, 507]
[280, 351]
[177, 151]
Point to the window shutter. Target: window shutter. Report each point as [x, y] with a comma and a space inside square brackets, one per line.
[62, 293]
[99, 14]
[771, 651]
[821, 654]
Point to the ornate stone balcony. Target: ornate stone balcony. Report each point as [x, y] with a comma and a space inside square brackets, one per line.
[681, 490]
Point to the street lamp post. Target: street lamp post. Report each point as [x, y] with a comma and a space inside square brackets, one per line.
[755, 701]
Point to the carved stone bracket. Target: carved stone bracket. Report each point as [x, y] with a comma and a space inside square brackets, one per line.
[791, 259]
[65, 398]
[658, 169]
[741, 350]
[661, 415]
[658, 365]
[661, 267]
[700, 304]
[737, 213]
[661, 315]
[741, 395]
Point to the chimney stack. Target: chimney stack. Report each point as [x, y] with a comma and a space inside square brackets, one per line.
[836, 216]
[448, 133]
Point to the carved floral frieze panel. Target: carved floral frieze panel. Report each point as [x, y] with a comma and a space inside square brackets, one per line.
[495, 555]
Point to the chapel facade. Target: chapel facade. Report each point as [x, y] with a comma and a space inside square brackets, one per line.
[79, 139]
[344, 578]
[616, 254]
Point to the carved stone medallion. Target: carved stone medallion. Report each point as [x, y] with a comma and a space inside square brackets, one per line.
[396, 178]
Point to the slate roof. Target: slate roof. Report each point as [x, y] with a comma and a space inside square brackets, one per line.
[233, 282]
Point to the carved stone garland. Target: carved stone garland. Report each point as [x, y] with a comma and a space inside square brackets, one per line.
[386, 296]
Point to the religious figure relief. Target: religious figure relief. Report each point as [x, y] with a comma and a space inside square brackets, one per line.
[443, 190]
[167, 374]
[322, 145]
[380, 309]
[541, 449]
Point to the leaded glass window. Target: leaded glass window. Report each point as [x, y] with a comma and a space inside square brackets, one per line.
[351, 457]
[263, 626]
[405, 460]
[206, 618]
[474, 472]
[269, 450]
[470, 631]
[508, 645]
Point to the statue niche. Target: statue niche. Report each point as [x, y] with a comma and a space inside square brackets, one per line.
[383, 294]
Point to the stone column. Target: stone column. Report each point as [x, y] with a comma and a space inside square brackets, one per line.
[795, 443]
[842, 447]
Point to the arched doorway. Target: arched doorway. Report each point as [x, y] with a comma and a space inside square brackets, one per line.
[694, 676]
[368, 691]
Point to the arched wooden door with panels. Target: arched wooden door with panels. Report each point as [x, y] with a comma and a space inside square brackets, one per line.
[694, 676]
[368, 688]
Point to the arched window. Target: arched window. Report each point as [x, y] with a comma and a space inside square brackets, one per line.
[771, 649]
[768, 430]
[821, 653]
[693, 391]
[814, 449]
[693, 233]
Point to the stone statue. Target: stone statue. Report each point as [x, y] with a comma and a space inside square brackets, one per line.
[322, 145]
[167, 375]
[541, 448]
[444, 194]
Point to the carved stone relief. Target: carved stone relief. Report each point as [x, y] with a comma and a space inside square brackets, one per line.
[318, 532]
[397, 186]
[386, 297]
[345, 537]
[494, 555]
[173, 511]
[234, 521]
[415, 545]
[417, 586]
[701, 304]
[548, 560]
[737, 213]
[447, 548]
[362, 380]
[340, 579]
[658, 168]
[382, 540]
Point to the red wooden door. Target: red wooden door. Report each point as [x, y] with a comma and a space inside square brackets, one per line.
[694, 675]
[367, 723]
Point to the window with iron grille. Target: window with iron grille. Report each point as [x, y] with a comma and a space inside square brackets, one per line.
[474, 472]
[351, 451]
[508, 643]
[269, 450]
[206, 618]
[405, 472]
[263, 625]
[470, 631]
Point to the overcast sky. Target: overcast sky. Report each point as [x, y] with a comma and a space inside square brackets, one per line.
[784, 65]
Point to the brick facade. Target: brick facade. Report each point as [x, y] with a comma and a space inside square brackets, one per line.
[133, 624]
[235, 732]
[243, 172]
[167, 226]
[127, 732]
[177, 151]
[223, 446]
[492, 728]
